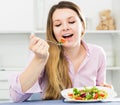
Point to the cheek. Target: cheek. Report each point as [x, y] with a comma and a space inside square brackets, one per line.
[80, 29]
[56, 32]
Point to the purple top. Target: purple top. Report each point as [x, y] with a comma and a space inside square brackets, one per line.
[92, 72]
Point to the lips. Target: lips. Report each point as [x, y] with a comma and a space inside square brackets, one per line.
[67, 35]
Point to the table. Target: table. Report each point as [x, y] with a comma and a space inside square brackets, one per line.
[59, 102]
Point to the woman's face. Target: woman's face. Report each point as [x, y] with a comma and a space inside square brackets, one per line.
[67, 25]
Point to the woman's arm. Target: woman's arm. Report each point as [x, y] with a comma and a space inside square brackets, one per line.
[18, 97]
[29, 77]
[101, 79]
[23, 85]
[101, 73]
[16, 93]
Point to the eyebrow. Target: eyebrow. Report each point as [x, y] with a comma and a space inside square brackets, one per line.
[59, 19]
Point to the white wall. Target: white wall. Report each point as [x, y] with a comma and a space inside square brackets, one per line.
[13, 50]
[90, 9]
[16, 15]
[116, 12]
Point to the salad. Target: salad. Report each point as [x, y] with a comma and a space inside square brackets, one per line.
[92, 93]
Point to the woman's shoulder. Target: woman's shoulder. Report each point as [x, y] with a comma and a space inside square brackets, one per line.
[96, 48]
[92, 47]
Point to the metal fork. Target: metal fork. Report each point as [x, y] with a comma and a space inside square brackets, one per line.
[59, 43]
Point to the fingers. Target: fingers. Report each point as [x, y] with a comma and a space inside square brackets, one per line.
[38, 46]
[33, 39]
[32, 35]
[106, 85]
[41, 50]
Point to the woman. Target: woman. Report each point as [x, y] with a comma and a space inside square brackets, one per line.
[57, 67]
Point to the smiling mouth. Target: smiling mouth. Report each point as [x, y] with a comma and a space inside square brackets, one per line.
[68, 36]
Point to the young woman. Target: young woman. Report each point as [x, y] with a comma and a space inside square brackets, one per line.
[53, 67]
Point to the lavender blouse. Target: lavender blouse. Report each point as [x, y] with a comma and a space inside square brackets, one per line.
[92, 72]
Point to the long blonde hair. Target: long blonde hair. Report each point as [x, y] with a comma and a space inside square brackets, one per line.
[57, 69]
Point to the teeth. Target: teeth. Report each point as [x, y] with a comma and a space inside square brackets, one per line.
[66, 34]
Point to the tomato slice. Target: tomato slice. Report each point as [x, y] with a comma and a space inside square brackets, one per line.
[96, 96]
[62, 40]
[102, 95]
[78, 98]
[70, 94]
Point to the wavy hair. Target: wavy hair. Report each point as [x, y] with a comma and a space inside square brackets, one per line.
[57, 68]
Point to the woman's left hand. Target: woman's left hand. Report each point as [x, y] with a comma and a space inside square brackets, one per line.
[106, 85]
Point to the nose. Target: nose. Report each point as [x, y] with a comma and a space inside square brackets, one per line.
[65, 26]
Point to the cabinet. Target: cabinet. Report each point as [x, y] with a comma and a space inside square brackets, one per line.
[14, 54]
[14, 37]
[16, 15]
[4, 85]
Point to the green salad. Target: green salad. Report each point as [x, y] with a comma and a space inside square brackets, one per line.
[92, 93]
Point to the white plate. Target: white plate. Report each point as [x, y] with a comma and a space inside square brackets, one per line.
[111, 94]
[72, 100]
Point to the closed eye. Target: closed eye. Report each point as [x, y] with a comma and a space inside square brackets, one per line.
[57, 25]
[72, 22]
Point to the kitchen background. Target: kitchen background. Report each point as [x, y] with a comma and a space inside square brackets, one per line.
[18, 18]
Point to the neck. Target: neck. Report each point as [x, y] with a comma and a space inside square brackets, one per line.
[73, 52]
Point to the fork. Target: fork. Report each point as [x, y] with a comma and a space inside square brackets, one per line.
[59, 43]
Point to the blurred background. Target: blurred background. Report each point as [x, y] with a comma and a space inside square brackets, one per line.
[18, 18]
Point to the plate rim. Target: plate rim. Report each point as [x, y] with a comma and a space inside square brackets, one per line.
[99, 87]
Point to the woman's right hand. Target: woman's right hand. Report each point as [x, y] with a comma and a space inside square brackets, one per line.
[39, 47]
